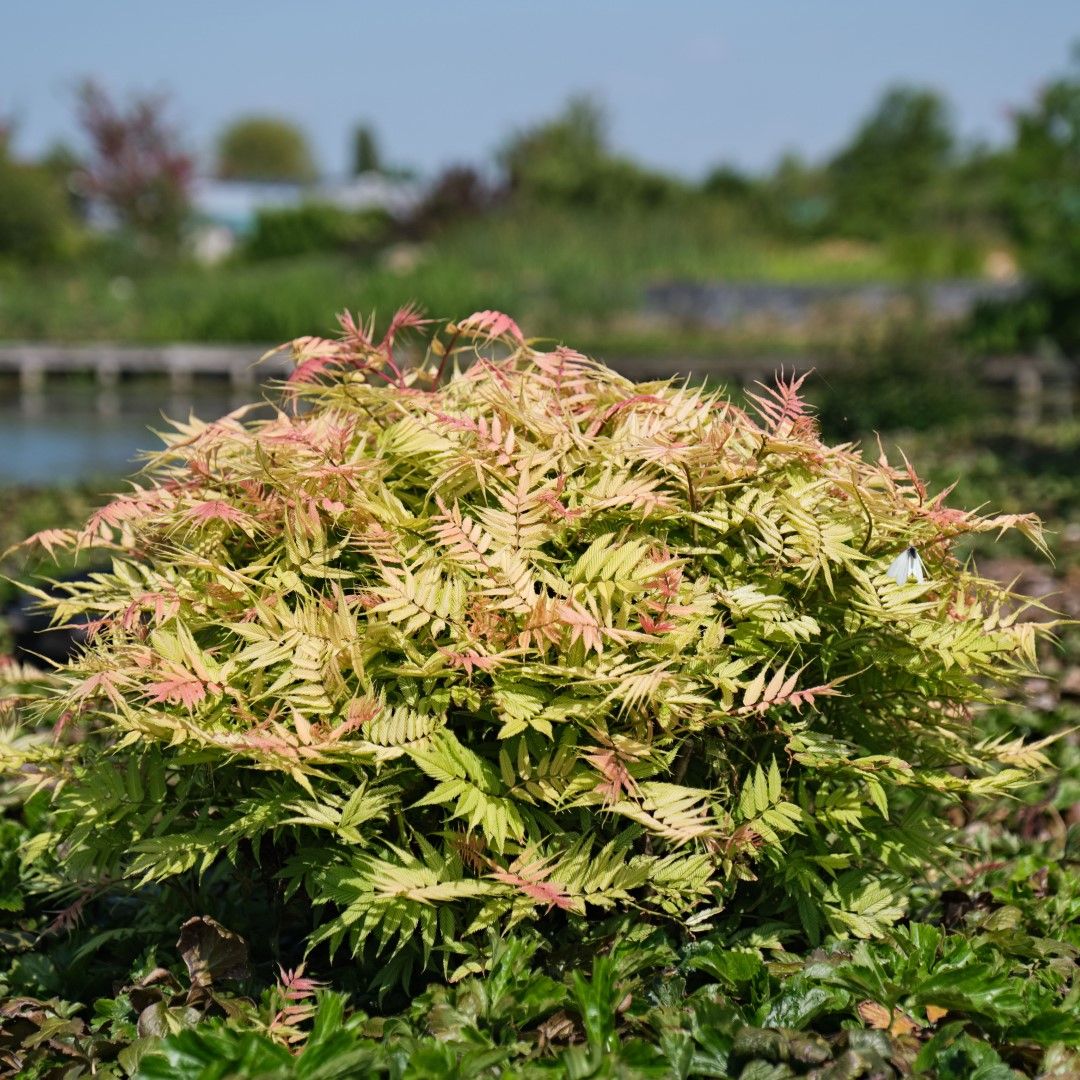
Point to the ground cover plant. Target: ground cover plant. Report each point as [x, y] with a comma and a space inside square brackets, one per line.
[596, 706]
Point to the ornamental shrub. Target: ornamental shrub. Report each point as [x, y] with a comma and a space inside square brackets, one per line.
[503, 636]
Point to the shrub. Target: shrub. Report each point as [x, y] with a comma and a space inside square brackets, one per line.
[313, 228]
[535, 642]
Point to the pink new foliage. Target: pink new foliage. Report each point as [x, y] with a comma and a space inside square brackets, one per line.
[50, 539]
[101, 682]
[409, 317]
[296, 992]
[617, 779]
[216, 510]
[470, 660]
[783, 409]
[314, 356]
[357, 349]
[180, 689]
[490, 325]
[531, 883]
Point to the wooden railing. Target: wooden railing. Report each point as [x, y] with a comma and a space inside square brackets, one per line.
[1039, 385]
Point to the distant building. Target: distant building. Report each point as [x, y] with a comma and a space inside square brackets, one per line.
[224, 211]
[234, 204]
[369, 191]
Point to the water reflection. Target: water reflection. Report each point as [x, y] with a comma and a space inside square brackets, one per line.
[70, 430]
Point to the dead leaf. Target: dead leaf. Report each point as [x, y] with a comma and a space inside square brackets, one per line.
[211, 952]
[896, 1023]
[152, 988]
[557, 1028]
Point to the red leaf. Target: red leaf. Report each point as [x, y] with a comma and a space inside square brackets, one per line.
[215, 510]
[543, 892]
[312, 356]
[51, 538]
[295, 986]
[183, 690]
[354, 331]
[131, 507]
[165, 606]
[490, 325]
[617, 778]
[408, 317]
[309, 370]
[781, 407]
[100, 682]
[469, 659]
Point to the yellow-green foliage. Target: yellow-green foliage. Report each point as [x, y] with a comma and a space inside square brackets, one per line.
[531, 638]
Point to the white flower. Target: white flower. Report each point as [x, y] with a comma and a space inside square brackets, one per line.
[905, 566]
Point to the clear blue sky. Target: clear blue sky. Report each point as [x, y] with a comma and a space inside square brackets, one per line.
[687, 83]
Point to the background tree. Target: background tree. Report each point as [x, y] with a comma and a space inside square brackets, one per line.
[795, 198]
[567, 161]
[67, 168]
[365, 150]
[884, 179]
[36, 224]
[552, 158]
[1042, 197]
[458, 192]
[729, 182]
[264, 148]
[136, 165]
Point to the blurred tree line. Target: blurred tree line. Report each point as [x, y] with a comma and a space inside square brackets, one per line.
[903, 181]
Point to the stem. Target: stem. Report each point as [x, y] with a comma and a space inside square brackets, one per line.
[683, 762]
[869, 518]
[693, 503]
[393, 366]
[445, 357]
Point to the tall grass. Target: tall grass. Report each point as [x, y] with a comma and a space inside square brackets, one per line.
[585, 270]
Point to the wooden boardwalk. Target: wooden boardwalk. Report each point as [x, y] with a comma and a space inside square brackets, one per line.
[1037, 383]
[33, 363]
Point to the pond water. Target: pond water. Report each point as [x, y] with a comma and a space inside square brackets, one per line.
[73, 431]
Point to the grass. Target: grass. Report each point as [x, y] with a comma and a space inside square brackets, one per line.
[583, 272]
